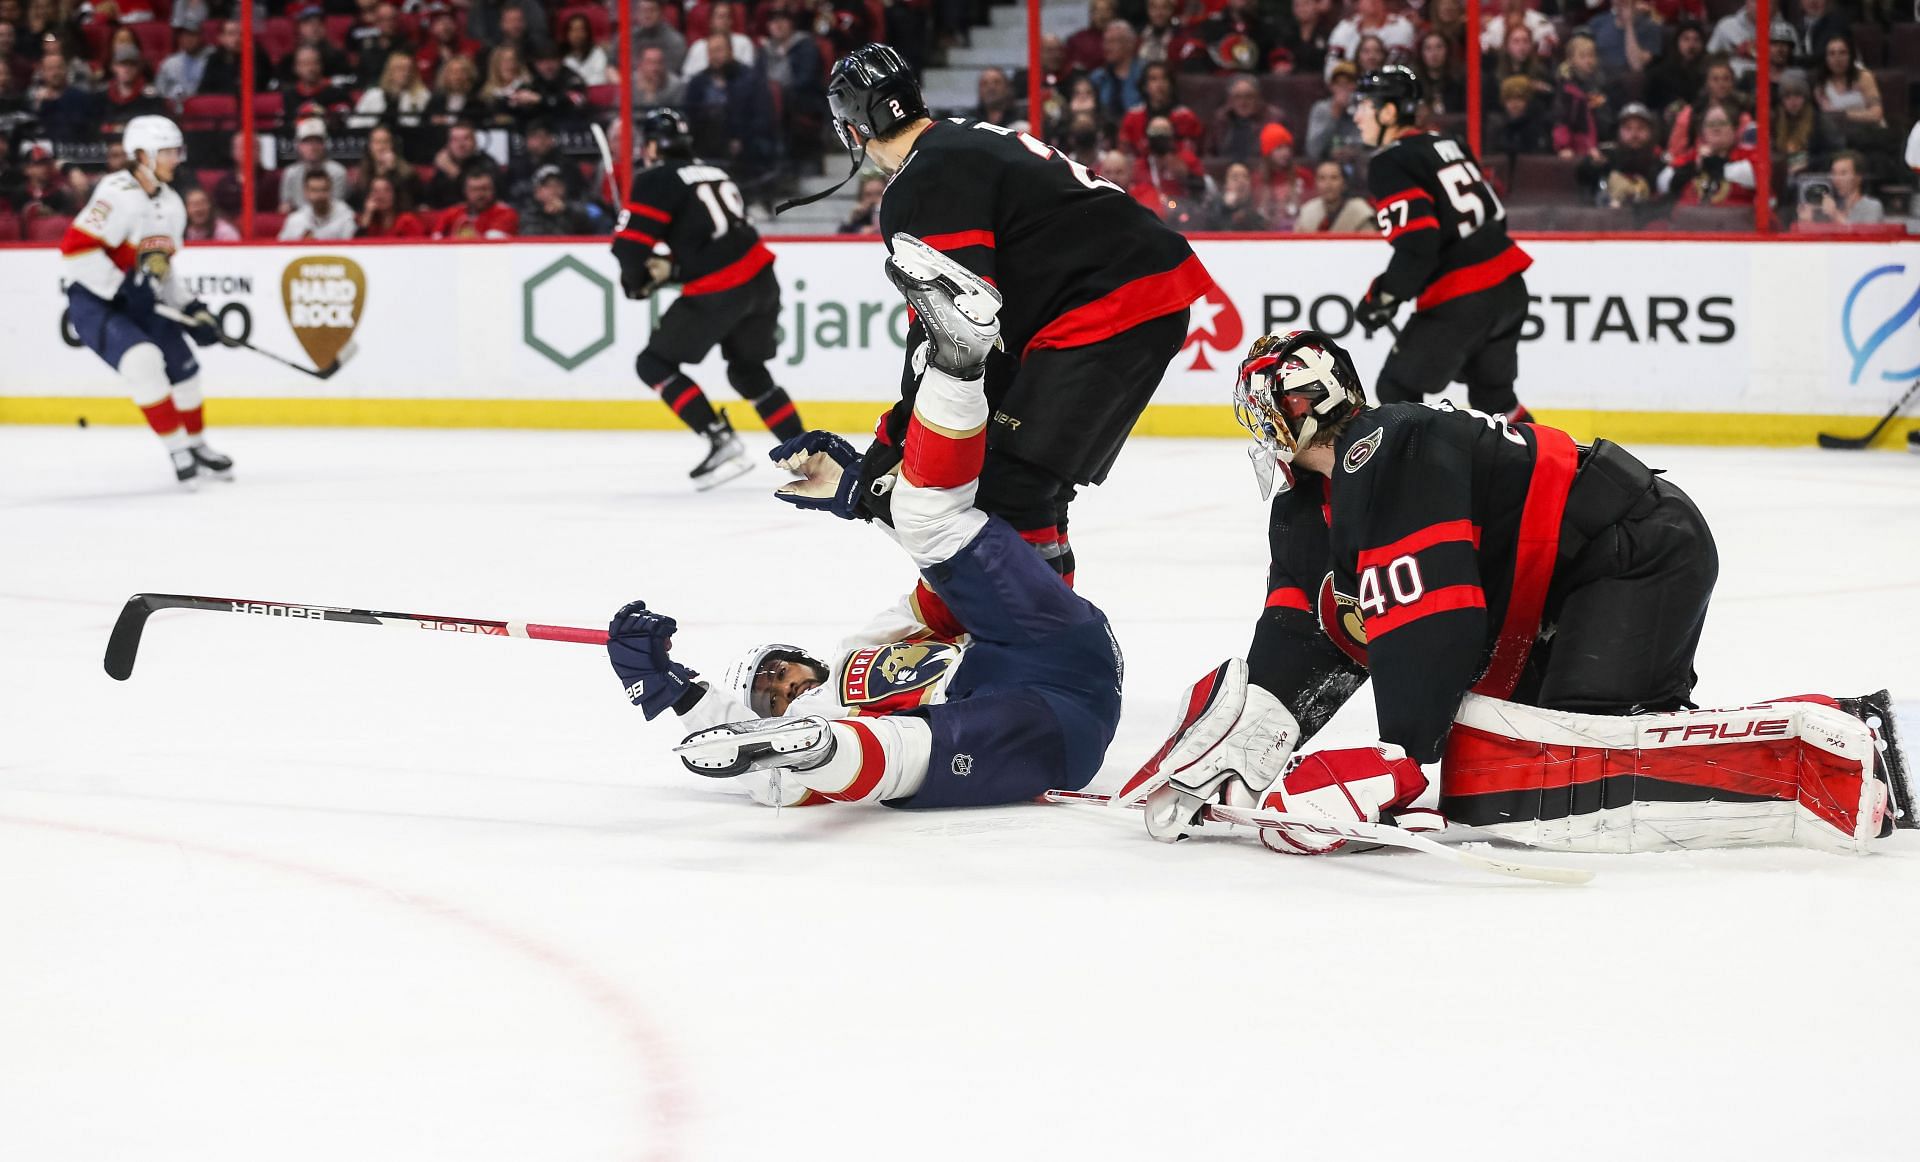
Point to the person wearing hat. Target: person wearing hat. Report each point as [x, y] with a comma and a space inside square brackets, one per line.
[181, 73]
[310, 31]
[128, 94]
[444, 40]
[1801, 136]
[1330, 128]
[1623, 171]
[552, 92]
[1289, 184]
[310, 144]
[552, 214]
[39, 184]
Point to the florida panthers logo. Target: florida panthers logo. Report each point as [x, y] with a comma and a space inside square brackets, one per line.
[1340, 620]
[879, 679]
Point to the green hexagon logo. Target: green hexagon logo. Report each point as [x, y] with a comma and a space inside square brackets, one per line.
[566, 335]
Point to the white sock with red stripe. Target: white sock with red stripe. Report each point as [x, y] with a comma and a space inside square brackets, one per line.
[873, 759]
[933, 512]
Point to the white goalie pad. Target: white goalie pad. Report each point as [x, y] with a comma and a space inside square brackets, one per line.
[1787, 772]
[1226, 727]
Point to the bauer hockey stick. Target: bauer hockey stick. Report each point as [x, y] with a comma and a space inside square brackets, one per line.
[1384, 834]
[124, 643]
[1855, 443]
[226, 340]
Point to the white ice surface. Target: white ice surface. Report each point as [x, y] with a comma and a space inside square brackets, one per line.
[320, 892]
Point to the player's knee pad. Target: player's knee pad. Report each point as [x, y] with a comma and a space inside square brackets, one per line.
[1792, 771]
[145, 369]
[1020, 492]
[653, 369]
[751, 380]
[186, 394]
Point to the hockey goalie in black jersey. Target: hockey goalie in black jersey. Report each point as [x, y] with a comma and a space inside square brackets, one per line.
[1096, 293]
[1527, 610]
[1452, 258]
[684, 222]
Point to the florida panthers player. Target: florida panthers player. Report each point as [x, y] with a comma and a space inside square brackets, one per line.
[1028, 702]
[119, 267]
[1527, 610]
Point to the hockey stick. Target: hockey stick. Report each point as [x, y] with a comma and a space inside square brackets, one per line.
[327, 372]
[1385, 834]
[606, 164]
[124, 643]
[1855, 443]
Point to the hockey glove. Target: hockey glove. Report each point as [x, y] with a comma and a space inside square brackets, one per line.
[204, 328]
[1376, 310]
[1351, 785]
[829, 468]
[640, 280]
[637, 643]
[879, 468]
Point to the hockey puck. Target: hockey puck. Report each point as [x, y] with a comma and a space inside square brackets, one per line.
[83, 421]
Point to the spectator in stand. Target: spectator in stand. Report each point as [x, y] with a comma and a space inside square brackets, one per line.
[399, 99]
[128, 93]
[181, 73]
[228, 192]
[1680, 73]
[1801, 139]
[312, 87]
[1156, 100]
[41, 191]
[1238, 124]
[1519, 58]
[1081, 141]
[583, 55]
[1238, 37]
[460, 156]
[204, 223]
[1818, 23]
[1286, 185]
[1845, 201]
[481, 215]
[1165, 40]
[1442, 77]
[733, 98]
[310, 146]
[1313, 25]
[79, 183]
[1719, 88]
[445, 41]
[1372, 55]
[1168, 164]
[43, 23]
[1333, 210]
[506, 76]
[552, 92]
[1847, 90]
[1331, 131]
[375, 42]
[1056, 82]
[456, 92]
[66, 113]
[653, 84]
[553, 215]
[1623, 172]
[388, 212]
[1672, 12]
[651, 31]
[1370, 18]
[123, 11]
[1522, 125]
[843, 24]
[700, 53]
[1626, 36]
[321, 217]
[792, 59]
[1737, 37]
[542, 153]
[1449, 19]
[1116, 83]
[1086, 49]
[1717, 173]
[1518, 14]
[383, 160]
[1582, 117]
[194, 12]
[310, 32]
[515, 30]
[1237, 207]
[864, 218]
[996, 105]
[222, 73]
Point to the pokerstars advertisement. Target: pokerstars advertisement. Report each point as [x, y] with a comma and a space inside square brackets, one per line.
[1619, 326]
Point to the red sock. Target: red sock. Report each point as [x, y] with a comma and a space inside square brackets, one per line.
[164, 419]
[934, 613]
[194, 419]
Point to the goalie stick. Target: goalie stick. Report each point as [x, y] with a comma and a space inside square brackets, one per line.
[1384, 834]
[123, 645]
[1855, 443]
[347, 352]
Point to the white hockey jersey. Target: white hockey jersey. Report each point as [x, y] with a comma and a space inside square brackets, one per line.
[125, 233]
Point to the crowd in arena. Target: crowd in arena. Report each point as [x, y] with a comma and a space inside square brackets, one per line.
[438, 120]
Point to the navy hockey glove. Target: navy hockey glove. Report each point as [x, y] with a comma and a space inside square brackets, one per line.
[874, 499]
[1375, 310]
[789, 455]
[204, 329]
[637, 643]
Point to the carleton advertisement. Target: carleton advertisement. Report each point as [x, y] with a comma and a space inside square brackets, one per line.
[1677, 328]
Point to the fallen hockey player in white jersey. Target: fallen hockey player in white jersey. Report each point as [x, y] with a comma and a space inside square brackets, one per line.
[1027, 701]
[119, 267]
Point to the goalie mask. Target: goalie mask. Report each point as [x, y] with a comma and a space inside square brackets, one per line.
[767, 678]
[1291, 388]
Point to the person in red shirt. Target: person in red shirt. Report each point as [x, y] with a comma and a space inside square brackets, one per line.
[1720, 172]
[383, 216]
[1086, 49]
[482, 216]
[444, 40]
[1156, 92]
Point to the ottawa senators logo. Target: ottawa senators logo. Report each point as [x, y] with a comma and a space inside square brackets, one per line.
[1340, 620]
[881, 679]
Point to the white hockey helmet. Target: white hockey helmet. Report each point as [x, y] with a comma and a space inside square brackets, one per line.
[765, 659]
[152, 133]
[1289, 387]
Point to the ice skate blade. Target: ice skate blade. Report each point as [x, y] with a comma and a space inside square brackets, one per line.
[727, 470]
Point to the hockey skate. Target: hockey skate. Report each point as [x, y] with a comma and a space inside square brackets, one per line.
[726, 457]
[186, 468]
[210, 462]
[1890, 762]
[960, 310]
[734, 748]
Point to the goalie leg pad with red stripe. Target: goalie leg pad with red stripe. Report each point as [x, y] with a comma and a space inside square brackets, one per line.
[1788, 772]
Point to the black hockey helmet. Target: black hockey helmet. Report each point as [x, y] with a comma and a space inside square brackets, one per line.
[874, 92]
[668, 131]
[1395, 85]
[1289, 389]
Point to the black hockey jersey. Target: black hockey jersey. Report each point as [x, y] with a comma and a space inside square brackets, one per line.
[697, 211]
[1447, 226]
[1424, 561]
[1075, 257]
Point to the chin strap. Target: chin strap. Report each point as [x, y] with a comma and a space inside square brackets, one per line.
[857, 155]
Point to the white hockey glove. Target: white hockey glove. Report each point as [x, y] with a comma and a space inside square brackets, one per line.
[1352, 785]
[960, 310]
[1231, 742]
